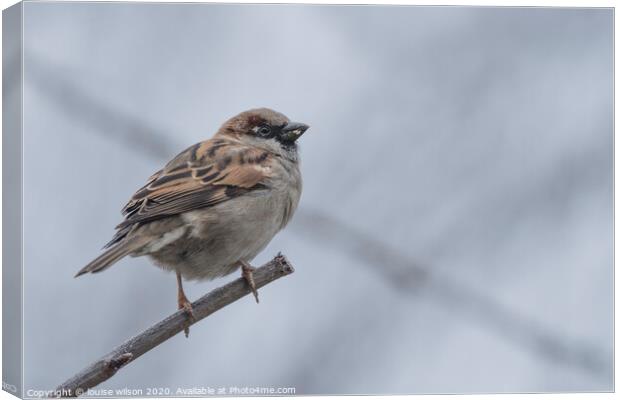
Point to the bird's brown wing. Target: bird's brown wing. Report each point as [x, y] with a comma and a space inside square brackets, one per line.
[203, 175]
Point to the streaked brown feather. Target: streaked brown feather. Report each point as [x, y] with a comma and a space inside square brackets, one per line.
[203, 175]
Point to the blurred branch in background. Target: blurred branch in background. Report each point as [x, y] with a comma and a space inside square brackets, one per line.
[104, 368]
[405, 275]
[87, 109]
[389, 264]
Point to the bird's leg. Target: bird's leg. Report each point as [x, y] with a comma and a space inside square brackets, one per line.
[184, 303]
[247, 273]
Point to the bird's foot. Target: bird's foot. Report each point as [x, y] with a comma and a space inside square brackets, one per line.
[247, 271]
[184, 304]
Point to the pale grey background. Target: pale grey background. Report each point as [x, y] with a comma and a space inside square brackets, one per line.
[455, 232]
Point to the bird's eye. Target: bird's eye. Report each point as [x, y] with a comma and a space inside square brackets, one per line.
[264, 130]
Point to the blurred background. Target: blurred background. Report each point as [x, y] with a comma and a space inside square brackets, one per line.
[455, 230]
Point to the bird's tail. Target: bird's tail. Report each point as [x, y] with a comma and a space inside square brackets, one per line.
[109, 257]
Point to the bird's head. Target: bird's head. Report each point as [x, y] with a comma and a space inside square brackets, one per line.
[263, 124]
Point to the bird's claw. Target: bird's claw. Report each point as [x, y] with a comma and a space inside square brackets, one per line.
[247, 271]
[186, 306]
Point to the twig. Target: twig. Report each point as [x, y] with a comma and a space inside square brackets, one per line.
[104, 368]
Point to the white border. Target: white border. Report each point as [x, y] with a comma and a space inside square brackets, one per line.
[506, 3]
[477, 3]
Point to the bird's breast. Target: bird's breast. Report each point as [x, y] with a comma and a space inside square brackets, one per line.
[216, 238]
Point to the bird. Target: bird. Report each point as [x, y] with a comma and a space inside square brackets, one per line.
[216, 205]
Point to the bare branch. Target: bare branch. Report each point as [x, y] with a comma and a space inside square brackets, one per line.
[104, 368]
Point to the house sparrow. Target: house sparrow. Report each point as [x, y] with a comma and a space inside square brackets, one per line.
[216, 205]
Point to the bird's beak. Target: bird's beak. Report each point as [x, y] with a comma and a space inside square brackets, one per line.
[292, 131]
